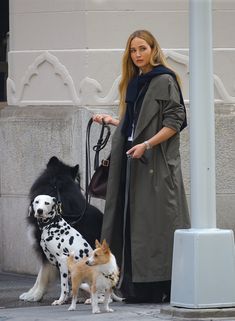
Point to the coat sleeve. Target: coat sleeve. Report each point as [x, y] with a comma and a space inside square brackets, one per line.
[173, 113]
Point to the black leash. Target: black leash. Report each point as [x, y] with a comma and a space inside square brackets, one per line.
[102, 141]
[127, 189]
[67, 217]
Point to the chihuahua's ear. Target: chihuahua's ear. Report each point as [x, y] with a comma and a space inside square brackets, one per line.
[97, 244]
[105, 246]
[31, 210]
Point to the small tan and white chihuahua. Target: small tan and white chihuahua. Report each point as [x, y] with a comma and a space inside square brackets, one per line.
[101, 273]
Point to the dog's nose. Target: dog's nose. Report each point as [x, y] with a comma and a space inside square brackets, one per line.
[87, 262]
[39, 211]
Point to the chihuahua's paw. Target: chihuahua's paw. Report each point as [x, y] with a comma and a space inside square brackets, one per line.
[95, 311]
[109, 310]
[71, 308]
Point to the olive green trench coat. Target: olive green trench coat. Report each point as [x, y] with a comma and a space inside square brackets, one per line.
[157, 198]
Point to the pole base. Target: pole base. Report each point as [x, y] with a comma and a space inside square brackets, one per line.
[203, 270]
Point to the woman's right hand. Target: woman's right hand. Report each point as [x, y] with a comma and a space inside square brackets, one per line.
[99, 118]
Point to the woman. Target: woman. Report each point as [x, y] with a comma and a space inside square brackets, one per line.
[146, 200]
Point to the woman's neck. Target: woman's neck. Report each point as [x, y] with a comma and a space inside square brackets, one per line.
[146, 69]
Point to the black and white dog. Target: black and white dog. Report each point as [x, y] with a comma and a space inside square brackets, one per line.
[58, 239]
[61, 181]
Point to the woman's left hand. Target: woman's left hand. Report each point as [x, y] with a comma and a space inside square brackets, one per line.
[137, 151]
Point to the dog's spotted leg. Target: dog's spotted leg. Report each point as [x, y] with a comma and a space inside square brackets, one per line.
[46, 273]
[64, 281]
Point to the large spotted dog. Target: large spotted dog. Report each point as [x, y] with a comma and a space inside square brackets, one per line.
[58, 238]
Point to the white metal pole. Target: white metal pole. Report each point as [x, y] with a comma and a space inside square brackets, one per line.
[203, 203]
[203, 269]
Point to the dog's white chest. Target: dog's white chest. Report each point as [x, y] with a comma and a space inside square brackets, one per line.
[102, 283]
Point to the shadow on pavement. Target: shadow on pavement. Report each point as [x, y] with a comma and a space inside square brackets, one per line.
[13, 285]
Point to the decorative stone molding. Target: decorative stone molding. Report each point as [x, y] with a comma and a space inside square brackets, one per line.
[225, 98]
[33, 70]
[11, 92]
[178, 58]
[90, 90]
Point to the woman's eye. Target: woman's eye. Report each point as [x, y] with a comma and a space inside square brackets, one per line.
[142, 49]
[132, 50]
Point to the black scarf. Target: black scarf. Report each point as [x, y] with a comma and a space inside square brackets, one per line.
[137, 88]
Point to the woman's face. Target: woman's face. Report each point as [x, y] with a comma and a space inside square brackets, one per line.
[140, 52]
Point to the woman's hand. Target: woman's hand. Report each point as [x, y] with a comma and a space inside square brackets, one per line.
[137, 151]
[99, 118]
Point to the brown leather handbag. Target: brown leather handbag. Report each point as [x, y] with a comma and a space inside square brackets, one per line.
[96, 185]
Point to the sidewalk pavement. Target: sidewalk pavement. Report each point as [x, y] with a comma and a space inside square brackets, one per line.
[13, 309]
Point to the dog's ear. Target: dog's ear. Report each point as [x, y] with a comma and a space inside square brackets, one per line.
[97, 244]
[59, 208]
[52, 161]
[105, 246]
[31, 210]
[75, 172]
[57, 205]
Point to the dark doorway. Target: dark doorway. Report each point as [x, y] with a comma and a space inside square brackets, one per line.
[4, 33]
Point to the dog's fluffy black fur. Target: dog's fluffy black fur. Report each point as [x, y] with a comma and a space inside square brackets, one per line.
[63, 182]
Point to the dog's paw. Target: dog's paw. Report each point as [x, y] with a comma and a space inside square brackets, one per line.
[24, 296]
[31, 297]
[88, 301]
[109, 310]
[95, 311]
[71, 308]
[58, 302]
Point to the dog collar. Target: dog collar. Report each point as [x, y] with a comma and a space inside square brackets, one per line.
[48, 221]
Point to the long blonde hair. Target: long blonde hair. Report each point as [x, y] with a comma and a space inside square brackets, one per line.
[129, 70]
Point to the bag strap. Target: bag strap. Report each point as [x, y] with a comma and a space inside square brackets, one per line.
[102, 142]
